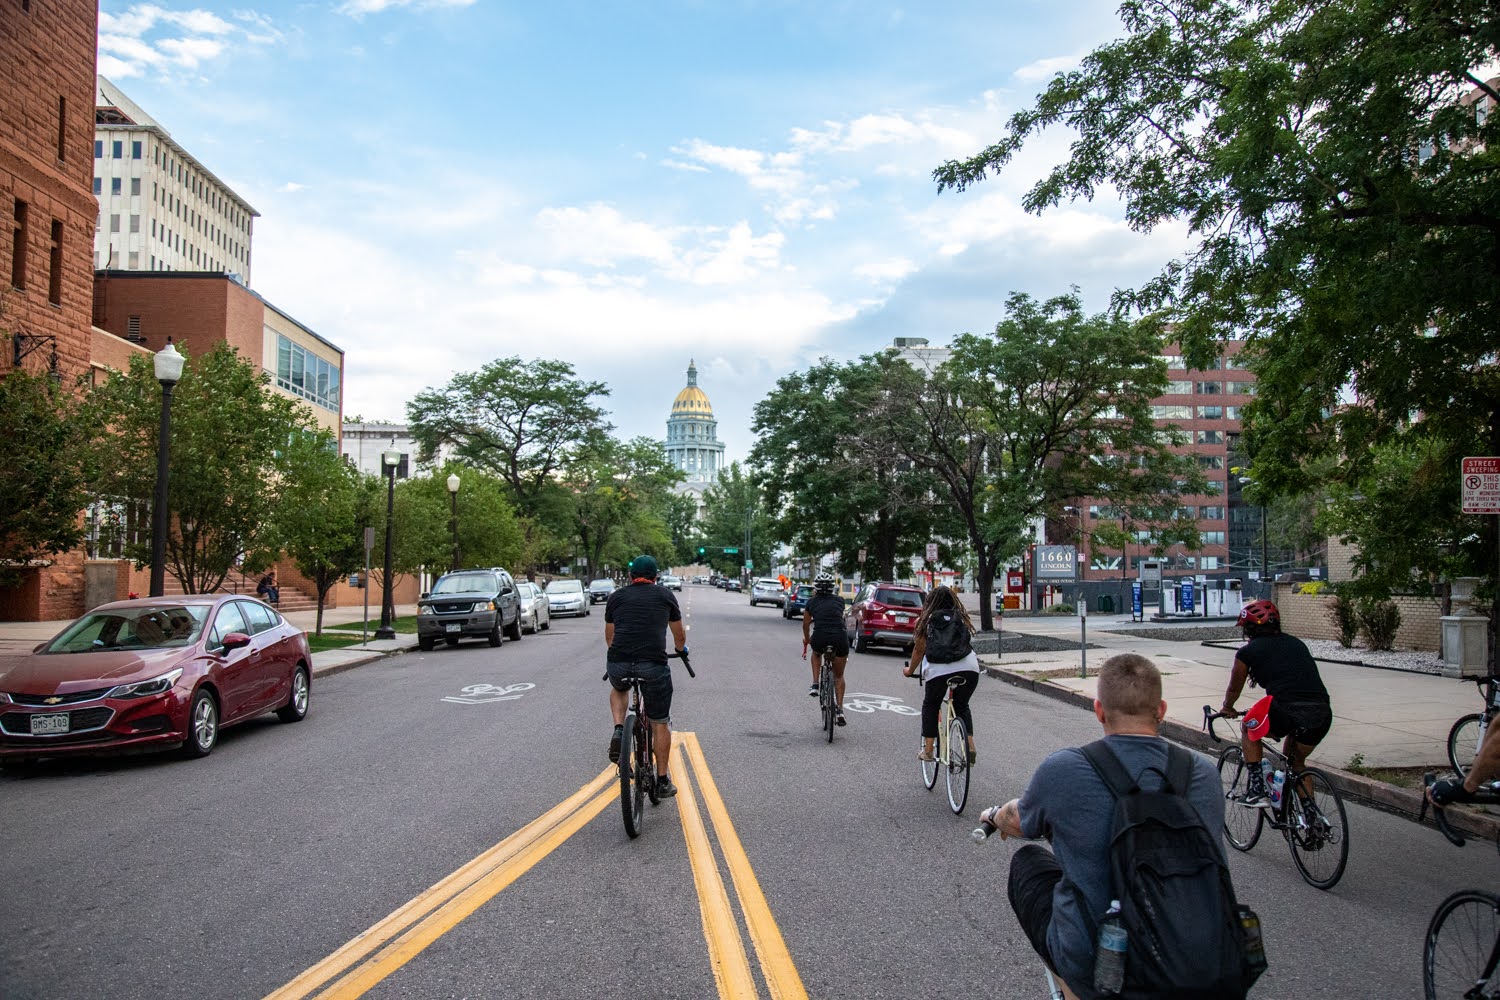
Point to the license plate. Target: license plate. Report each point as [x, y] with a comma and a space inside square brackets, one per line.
[902, 619]
[453, 628]
[43, 725]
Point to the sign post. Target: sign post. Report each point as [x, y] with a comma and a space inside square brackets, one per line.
[369, 544]
[1083, 635]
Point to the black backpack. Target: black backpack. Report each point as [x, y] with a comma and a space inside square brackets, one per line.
[1187, 934]
[947, 638]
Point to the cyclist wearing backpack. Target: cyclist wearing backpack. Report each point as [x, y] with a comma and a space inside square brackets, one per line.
[941, 649]
[1112, 810]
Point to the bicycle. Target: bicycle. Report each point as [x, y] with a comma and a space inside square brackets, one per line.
[982, 833]
[951, 751]
[637, 757]
[826, 695]
[1462, 948]
[1316, 832]
[1467, 734]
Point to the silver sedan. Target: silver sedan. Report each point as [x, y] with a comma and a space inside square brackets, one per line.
[536, 614]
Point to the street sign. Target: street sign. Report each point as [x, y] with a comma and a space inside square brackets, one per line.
[862, 555]
[1056, 562]
[1015, 582]
[1187, 595]
[1150, 573]
[1135, 598]
[731, 552]
[749, 564]
[1481, 485]
[932, 551]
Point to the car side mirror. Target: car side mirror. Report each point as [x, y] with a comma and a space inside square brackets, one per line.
[236, 640]
[424, 595]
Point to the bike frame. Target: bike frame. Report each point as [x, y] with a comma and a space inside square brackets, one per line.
[1487, 795]
[827, 699]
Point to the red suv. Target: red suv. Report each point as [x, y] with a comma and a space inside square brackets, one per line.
[883, 614]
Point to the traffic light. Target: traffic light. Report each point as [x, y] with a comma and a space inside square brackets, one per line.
[700, 550]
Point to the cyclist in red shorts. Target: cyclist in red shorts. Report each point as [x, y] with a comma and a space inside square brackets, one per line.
[1300, 711]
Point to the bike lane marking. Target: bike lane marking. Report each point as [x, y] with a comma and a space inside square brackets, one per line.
[591, 798]
[776, 963]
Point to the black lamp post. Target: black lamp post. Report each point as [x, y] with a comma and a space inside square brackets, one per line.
[392, 458]
[168, 364]
[453, 483]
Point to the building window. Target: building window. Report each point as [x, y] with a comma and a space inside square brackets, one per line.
[304, 374]
[135, 223]
[98, 149]
[1241, 388]
[1209, 437]
[1210, 461]
[1234, 412]
[1179, 388]
[135, 150]
[55, 264]
[135, 260]
[117, 149]
[135, 185]
[18, 246]
[98, 185]
[1208, 562]
[116, 185]
[1210, 413]
[1171, 412]
[114, 223]
[1211, 537]
[1210, 388]
[62, 128]
[1211, 513]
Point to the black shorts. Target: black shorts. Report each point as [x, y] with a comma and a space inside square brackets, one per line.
[656, 685]
[838, 640]
[1034, 874]
[1307, 722]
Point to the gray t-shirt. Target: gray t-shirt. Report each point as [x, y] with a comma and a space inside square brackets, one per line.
[1069, 804]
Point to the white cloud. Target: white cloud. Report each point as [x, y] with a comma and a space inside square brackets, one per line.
[889, 269]
[1046, 69]
[600, 235]
[149, 37]
[291, 187]
[359, 8]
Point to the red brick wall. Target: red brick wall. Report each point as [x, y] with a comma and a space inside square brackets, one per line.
[196, 311]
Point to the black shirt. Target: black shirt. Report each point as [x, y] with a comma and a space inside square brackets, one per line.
[827, 613]
[640, 613]
[1283, 666]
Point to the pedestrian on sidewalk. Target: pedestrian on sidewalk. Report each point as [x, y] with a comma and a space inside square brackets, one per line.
[267, 590]
[941, 649]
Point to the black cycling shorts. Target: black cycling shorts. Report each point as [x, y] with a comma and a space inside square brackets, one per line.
[838, 640]
[656, 685]
[1308, 722]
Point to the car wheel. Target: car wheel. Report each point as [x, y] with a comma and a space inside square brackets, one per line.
[547, 624]
[513, 631]
[295, 709]
[203, 726]
[861, 643]
[495, 637]
[425, 643]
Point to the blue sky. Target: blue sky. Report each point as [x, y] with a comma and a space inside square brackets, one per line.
[627, 186]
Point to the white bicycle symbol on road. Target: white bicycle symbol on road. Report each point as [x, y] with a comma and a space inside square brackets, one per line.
[864, 701]
[482, 694]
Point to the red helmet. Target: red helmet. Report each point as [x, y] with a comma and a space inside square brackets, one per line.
[1259, 613]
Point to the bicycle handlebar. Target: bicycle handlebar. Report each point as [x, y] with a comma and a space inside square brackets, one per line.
[1209, 715]
[680, 655]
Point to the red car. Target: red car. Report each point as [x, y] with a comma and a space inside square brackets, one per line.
[153, 673]
[883, 614]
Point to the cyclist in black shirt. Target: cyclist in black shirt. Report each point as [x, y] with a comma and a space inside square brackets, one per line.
[1300, 710]
[823, 626]
[636, 619]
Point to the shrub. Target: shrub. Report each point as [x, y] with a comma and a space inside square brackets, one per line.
[1062, 608]
[1344, 617]
[1379, 620]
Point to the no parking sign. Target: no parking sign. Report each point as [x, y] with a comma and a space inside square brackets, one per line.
[1481, 485]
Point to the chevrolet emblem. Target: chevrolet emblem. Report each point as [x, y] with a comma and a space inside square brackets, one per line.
[54, 700]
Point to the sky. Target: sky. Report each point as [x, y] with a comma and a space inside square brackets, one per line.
[625, 187]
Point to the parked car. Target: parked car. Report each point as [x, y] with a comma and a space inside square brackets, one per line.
[155, 672]
[536, 615]
[731, 583]
[767, 591]
[470, 603]
[796, 600]
[883, 614]
[599, 590]
[567, 597]
[670, 582]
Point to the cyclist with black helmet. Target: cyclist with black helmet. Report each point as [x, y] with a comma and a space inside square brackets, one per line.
[822, 627]
[1300, 711]
[636, 619]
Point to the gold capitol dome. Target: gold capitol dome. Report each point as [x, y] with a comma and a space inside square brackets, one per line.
[692, 401]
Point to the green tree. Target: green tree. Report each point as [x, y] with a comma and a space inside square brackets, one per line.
[618, 490]
[44, 487]
[321, 512]
[730, 507]
[488, 532]
[1339, 185]
[229, 438]
[828, 486]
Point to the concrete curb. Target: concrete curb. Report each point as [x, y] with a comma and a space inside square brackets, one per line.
[338, 668]
[1404, 802]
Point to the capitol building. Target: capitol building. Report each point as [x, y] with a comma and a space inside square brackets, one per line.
[692, 443]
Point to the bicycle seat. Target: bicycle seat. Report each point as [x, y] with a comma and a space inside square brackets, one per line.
[955, 681]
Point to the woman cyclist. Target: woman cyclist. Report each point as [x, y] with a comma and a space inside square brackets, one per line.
[822, 627]
[940, 650]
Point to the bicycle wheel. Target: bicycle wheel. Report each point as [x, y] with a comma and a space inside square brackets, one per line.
[1460, 945]
[825, 699]
[646, 757]
[930, 767]
[1317, 829]
[958, 765]
[630, 798]
[1463, 742]
[1241, 824]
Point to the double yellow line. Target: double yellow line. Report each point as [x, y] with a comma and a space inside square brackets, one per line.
[376, 953]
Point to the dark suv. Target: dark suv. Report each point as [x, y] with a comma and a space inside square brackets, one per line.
[883, 614]
[470, 603]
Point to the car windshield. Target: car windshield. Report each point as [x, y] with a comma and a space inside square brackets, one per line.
[564, 587]
[466, 583]
[602, 585]
[157, 627]
[804, 592]
[898, 598]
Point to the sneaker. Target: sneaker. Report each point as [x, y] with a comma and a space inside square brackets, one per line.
[1256, 796]
[838, 718]
[664, 787]
[614, 744]
[813, 690]
[925, 755]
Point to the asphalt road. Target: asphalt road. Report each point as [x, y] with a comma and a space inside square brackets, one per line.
[233, 876]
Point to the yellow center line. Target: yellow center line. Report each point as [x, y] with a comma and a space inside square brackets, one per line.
[368, 941]
[770, 948]
[726, 952]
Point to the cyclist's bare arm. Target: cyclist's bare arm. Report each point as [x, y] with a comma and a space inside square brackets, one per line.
[806, 632]
[679, 634]
[609, 633]
[1236, 685]
[1006, 819]
[918, 650]
[1486, 764]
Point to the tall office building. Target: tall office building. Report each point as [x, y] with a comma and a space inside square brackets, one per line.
[159, 208]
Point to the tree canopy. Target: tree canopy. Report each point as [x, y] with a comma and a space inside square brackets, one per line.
[44, 487]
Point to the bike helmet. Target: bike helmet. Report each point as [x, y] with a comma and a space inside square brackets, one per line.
[1259, 613]
[823, 583]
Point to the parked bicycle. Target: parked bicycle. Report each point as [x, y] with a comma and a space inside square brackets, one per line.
[1307, 809]
[637, 759]
[1461, 952]
[827, 700]
[1467, 734]
[951, 753]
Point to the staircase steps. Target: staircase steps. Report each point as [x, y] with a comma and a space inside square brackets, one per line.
[236, 582]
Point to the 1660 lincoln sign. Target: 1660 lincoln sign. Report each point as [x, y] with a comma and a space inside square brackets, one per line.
[1056, 562]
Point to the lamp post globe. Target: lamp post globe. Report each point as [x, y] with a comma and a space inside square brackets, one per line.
[168, 368]
[390, 459]
[453, 484]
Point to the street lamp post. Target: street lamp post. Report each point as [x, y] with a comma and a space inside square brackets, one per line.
[391, 458]
[453, 483]
[168, 364]
[1265, 578]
